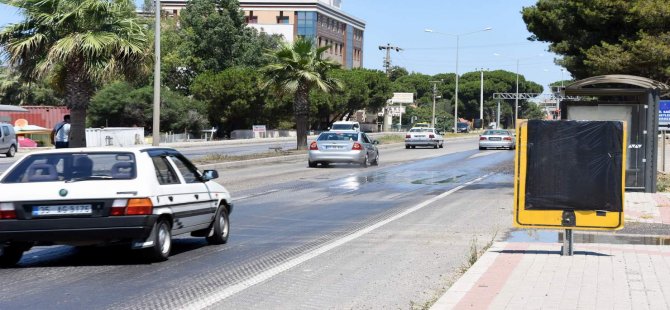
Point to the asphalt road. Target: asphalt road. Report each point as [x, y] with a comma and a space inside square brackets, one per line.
[393, 236]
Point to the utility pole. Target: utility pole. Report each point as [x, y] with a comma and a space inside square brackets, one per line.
[387, 60]
[481, 97]
[156, 133]
[432, 120]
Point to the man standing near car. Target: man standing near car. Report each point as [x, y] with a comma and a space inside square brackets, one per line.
[60, 135]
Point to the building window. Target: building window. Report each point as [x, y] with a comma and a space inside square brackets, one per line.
[349, 55]
[282, 19]
[251, 19]
[306, 24]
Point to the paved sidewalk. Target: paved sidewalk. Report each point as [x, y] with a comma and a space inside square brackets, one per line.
[599, 276]
[536, 276]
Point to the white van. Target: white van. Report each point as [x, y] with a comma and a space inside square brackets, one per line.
[8, 143]
[346, 125]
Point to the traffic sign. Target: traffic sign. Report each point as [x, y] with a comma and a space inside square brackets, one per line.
[664, 115]
[403, 98]
[570, 175]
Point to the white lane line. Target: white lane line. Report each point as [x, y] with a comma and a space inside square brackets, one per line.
[255, 195]
[226, 292]
[486, 153]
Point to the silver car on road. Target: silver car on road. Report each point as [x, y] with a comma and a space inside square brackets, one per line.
[497, 138]
[343, 147]
[419, 136]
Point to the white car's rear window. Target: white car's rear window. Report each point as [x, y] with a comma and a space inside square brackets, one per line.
[338, 136]
[72, 167]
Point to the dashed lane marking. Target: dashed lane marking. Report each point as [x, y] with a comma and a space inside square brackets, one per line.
[485, 153]
[256, 195]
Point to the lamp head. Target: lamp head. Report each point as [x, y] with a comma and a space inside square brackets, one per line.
[428, 30]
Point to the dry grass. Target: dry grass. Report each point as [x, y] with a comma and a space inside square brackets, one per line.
[663, 184]
[388, 139]
[220, 158]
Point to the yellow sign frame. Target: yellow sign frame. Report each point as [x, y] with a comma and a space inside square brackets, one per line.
[553, 219]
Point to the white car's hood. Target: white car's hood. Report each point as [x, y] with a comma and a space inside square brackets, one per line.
[98, 189]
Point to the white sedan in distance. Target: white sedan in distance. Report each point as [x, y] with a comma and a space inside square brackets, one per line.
[139, 196]
[421, 136]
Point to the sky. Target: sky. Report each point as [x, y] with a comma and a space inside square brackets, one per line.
[402, 23]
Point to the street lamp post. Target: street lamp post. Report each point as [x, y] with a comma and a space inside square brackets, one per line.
[481, 97]
[516, 99]
[156, 133]
[457, 46]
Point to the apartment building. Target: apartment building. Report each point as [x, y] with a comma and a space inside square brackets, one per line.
[322, 20]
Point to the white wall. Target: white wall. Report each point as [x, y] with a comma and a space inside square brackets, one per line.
[114, 136]
[285, 30]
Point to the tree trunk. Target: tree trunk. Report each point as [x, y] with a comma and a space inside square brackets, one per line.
[301, 112]
[78, 93]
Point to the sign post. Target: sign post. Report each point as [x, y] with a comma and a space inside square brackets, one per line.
[401, 98]
[546, 193]
[260, 129]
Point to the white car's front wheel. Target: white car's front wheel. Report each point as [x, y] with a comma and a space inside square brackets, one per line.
[221, 227]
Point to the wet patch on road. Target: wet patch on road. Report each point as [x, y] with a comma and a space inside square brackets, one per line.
[553, 236]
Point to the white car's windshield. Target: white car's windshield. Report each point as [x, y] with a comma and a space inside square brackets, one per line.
[72, 167]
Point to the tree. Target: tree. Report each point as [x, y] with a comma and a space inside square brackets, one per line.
[235, 98]
[364, 89]
[296, 69]
[210, 35]
[15, 91]
[120, 104]
[85, 42]
[605, 36]
[397, 72]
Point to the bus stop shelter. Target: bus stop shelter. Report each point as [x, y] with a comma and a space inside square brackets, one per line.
[628, 98]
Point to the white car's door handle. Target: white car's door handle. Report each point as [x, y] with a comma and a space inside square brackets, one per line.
[171, 198]
[197, 196]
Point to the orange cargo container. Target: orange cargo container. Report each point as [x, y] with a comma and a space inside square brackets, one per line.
[43, 116]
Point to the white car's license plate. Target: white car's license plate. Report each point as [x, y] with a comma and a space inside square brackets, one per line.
[420, 136]
[61, 210]
[334, 147]
[494, 139]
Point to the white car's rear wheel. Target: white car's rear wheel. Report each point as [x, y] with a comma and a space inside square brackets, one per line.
[162, 237]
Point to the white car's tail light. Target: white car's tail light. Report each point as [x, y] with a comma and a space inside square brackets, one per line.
[431, 136]
[507, 138]
[133, 206]
[313, 146]
[357, 146]
[408, 136]
[7, 211]
[482, 138]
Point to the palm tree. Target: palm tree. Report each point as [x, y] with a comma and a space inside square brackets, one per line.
[296, 69]
[83, 43]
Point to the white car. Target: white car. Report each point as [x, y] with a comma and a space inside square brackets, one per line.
[140, 196]
[419, 136]
[345, 125]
